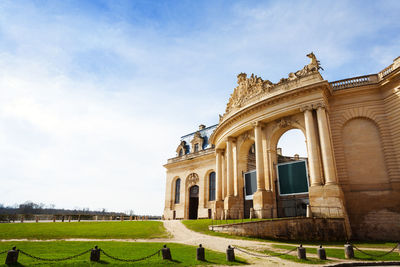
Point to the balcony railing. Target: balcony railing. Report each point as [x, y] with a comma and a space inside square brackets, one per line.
[354, 82]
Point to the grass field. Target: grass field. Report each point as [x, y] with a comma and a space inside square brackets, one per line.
[201, 226]
[182, 255]
[100, 230]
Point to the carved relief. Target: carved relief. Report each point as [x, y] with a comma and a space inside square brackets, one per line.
[285, 122]
[249, 88]
[192, 179]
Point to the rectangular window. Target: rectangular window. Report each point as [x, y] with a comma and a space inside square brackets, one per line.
[211, 196]
[250, 182]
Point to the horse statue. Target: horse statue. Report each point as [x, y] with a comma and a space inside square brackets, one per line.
[314, 65]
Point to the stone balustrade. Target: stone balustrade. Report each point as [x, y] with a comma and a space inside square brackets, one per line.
[354, 82]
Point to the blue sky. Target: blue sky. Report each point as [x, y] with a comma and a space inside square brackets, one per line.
[94, 95]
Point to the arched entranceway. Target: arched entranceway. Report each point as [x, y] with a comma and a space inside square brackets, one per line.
[292, 182]
[193, 201]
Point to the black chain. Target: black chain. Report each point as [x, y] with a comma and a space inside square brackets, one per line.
[376, 256]
[5, 251]
[131, 260]
[265, 256]
[61, 259]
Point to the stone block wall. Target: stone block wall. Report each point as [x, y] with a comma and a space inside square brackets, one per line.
[301, 229]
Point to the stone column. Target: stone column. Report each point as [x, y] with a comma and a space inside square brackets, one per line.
[229, 166]
[235, 173]
[218, 173]
[312, 149]
[259, 157]
[326, 146]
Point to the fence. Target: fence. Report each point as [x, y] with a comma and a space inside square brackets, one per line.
[13, 254]
[70, 218]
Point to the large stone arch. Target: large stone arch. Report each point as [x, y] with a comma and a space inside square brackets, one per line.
[245, 141]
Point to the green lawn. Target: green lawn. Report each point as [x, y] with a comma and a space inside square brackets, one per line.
[59, 230]
[182, 255]
[339, 253]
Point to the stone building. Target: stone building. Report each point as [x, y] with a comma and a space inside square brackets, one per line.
[352, 132]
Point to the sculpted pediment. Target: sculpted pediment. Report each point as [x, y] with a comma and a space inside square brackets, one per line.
[252, 88]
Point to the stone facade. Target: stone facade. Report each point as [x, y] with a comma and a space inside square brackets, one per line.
[352, 131]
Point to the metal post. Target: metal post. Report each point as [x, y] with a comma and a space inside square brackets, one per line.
[321, 253]
[12, 256]
[348, 251]
[200, 253]
[95, 254]
[230, 254]
[301, 253]
[166, 253]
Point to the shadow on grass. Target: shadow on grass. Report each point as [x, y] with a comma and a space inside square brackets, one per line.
[14, 264]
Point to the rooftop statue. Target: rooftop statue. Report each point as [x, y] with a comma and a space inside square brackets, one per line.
[254, 86]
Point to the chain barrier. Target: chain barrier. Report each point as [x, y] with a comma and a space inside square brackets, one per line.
[265, 256]
[375, 256]
[130, 260]
[61, 259]
[5, 251]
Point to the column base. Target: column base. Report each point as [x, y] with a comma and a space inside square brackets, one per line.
[233, 207]
[327, 201]
[218, 209]
[263, 204]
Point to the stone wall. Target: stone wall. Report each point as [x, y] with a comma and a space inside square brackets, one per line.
[301, 229]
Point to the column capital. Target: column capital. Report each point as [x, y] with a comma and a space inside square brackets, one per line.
[219, 150]
[257, 124]
[306, 107]
[319, 105]
[231, 139]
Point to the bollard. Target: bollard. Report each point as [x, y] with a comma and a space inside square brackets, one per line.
[166, 253]
[321, 253]
[348, 251]
[200, 253]
[95, 254]
[301, 253]
[230, 254]
[12, 256]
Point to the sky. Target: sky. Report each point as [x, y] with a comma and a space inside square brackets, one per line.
[94, 95]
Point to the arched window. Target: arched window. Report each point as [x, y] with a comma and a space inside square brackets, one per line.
[177, 190]
[211, 186]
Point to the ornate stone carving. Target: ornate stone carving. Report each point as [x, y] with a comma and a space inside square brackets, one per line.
[192, 179]
[285, 122]
[181, 149]
[254, 86]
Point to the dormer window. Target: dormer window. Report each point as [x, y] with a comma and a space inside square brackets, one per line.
[196, 147]
[197, 142]
[181, 152]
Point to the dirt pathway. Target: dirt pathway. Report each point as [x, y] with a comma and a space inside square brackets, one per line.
[183, 235]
